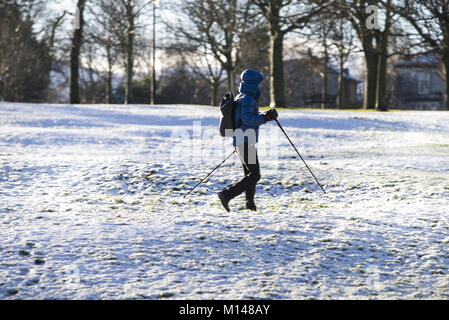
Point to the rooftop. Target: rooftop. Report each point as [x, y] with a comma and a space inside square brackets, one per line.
[424, 60]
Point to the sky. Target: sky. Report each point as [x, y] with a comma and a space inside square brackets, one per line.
[68, 5]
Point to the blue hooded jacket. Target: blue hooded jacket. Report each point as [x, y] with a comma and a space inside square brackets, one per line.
[247, 114]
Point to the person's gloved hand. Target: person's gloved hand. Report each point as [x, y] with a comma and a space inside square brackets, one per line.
[271, 115]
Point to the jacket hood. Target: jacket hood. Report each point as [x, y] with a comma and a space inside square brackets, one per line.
[250, 82]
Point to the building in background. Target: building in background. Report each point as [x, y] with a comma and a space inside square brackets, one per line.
[303, 83]
[420, 84]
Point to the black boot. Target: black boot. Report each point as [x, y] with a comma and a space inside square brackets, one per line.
[250, 205]
[224, 201]
[249, 195]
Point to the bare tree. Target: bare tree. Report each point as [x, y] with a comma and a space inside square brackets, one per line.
[92, 81]
[356, 12]
[52, 33]
[127, 15]
[153, 58]
[375, 43]
[75, 50]
[430, 19]
[282, 17]
[103, 33]
[217, 26]
[202, 63]
[207, 68]
[322, 31]
[24, 59]
[384, 37]
[254, 54]
[130, 14]
[343, 42]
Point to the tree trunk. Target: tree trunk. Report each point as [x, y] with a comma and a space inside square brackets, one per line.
[371, 59]
[277, 99]
[109, 88]
[129, 56]
[231, 80]
[381, 103]
[153, 64]
[129, 72]
[325, 77]
[109, 74]
[324, 91]
[340, 86]
[75, 56]
[153, 84]
[214, 93]
[446, 69]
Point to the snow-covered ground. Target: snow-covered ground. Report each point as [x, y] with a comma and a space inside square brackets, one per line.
[92, 207]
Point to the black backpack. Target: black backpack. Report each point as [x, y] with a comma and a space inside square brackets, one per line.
[227, 108]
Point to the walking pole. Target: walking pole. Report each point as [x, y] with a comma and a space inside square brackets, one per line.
[209, 174]
[299, 154]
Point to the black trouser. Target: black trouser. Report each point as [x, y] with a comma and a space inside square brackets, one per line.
[250, 162]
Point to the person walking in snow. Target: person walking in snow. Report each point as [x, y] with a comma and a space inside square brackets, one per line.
[247, 120]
